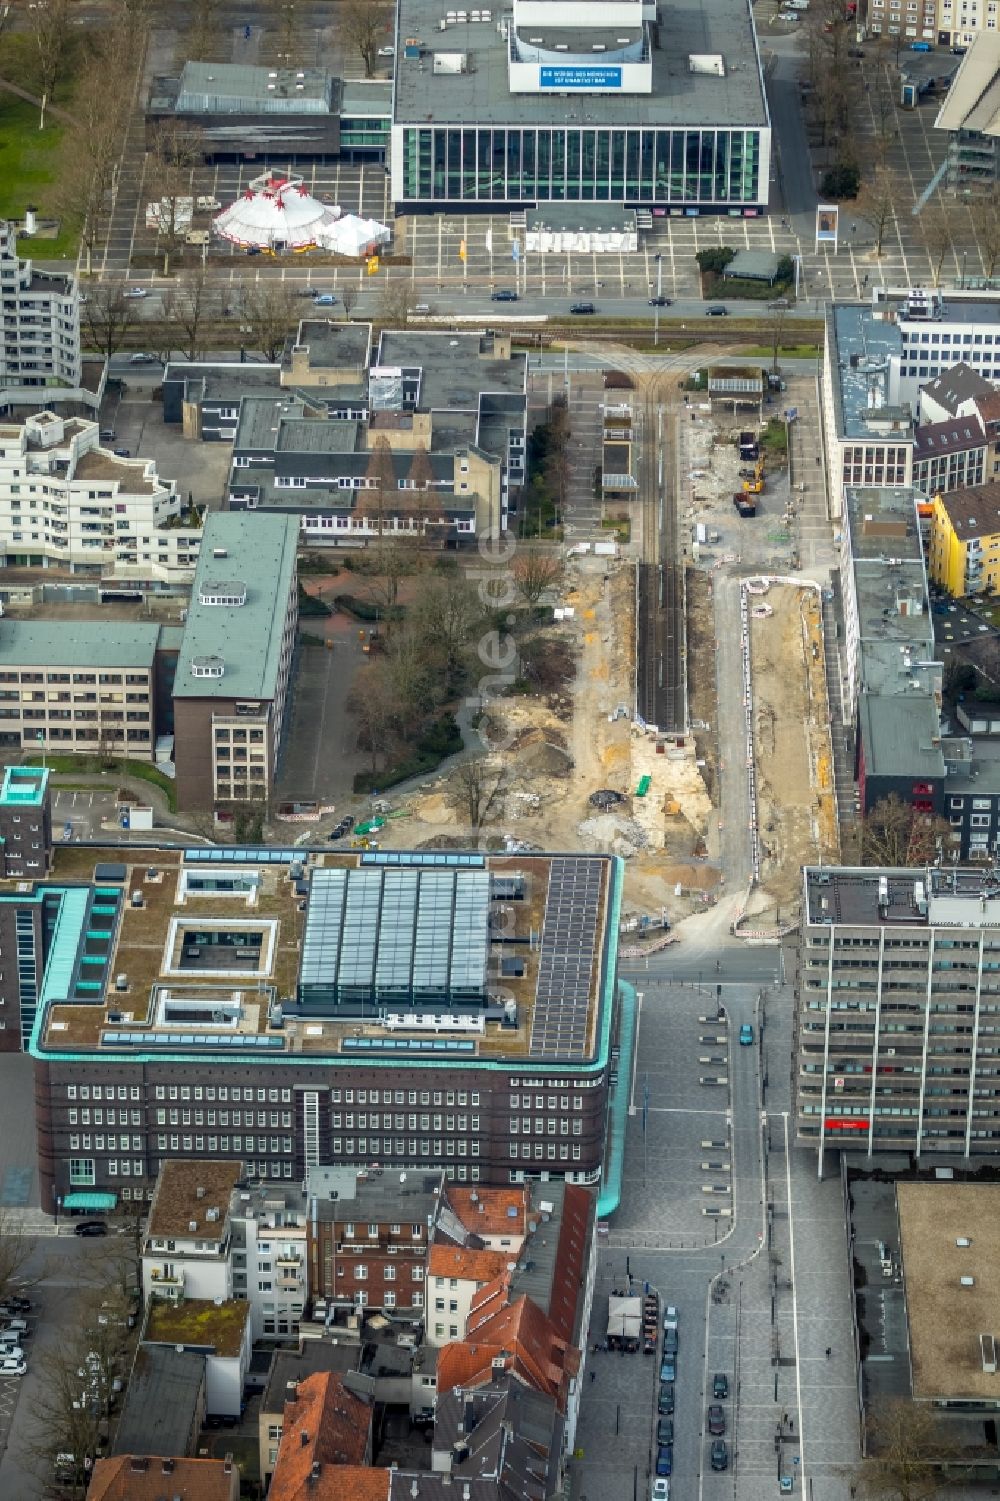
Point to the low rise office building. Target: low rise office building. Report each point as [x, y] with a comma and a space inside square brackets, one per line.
[235, 662]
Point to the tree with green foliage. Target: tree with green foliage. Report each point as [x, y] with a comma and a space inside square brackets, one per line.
[716, 258]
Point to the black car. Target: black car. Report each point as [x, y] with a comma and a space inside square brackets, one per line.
[719, 1455]
[583, 307]
[665, 1431]
[665, 1401]
[716, 1420]
[505, 294]
[720, 1385]
[659, 302]
[90, 1227]
[717, 311]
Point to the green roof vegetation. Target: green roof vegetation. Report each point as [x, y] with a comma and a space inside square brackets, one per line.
[198, 1321]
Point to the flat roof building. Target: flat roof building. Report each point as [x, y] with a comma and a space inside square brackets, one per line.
[895, 1052]
[195, 975]
[234, 109]
[233, 670]
[654, 108]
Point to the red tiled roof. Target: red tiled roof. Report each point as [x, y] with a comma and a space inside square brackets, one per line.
[325, 1425]
[571, 1255]
[539, 1355]
[487, 1296]
[988, 407]
[466, 1264]
[134, 1477]
[484, 1211]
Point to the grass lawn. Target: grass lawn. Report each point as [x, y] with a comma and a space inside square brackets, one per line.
[28, 163]
[111, 769]
[786, 351]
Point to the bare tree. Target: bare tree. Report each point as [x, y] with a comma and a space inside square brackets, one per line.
[985, 214]
[87, 157]
[287, 35]
[51, 33]
[188, 306]
[415, 680]
[15, 1254]
[366, 25]
[534, 572]
[477, 789]
[878, 201]
[169, 171]
[935, 229]
[349, 297]
[203, 33]
[371, 704]
[907, 1446]
[775, 333]
[107, 316]
[269, 313]
[449, 617]
[895, 833]
[395, 303]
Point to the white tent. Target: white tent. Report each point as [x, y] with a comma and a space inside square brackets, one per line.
[355, 237]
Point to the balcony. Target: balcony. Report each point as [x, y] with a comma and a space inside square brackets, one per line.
[289, 1258]
[167, 1281]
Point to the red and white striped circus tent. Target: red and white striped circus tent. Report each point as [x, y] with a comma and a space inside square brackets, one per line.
[277, 213]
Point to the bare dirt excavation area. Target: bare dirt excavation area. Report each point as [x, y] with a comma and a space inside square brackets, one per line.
[558, 752]
[793, 759]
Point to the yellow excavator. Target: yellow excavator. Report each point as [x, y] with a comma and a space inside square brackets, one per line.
[755, 486]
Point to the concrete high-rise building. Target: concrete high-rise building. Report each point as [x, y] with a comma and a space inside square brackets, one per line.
[898, 1023]
[40, 327]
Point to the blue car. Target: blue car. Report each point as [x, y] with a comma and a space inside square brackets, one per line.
[746, 1035]
[920, 47]
[668, 1368]
[665, 1459]
[324, 299]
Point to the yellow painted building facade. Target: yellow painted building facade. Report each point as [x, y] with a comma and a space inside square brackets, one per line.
[964, 553]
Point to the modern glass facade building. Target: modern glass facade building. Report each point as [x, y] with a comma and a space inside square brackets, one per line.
[714, 169]
[610, 101]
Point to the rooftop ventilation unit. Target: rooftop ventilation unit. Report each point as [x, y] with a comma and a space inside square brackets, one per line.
[967, 1281]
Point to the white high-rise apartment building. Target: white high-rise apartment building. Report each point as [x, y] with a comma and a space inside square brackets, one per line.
[40, 329]
[66, 502]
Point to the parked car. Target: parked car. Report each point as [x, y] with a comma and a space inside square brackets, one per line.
[719, 1455]
[108, 435]
[665, 1401]
[660, 301]
[664, 1459]
[504, 294]
[324, 299]
[144, 359]
[670, 1317]
[582, 307]
[716, 310]
[668, 1368]
[665, 1431]
[670, 1340]
[720, 1385]
[387, 52]
[746, 1035]
[857, 52]
[716, 1420]
[921, 47]
[660, 1491]
[90, 1227]
[123, 453]
[135, 294]
[10, 1366]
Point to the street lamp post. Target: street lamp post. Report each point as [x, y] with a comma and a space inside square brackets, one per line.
[659, 292]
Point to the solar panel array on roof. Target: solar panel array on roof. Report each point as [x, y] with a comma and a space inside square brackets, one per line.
[155, 1040]
[241, 856]
[396, 935]
[407, 1045]
[566, 961]
[419, 857]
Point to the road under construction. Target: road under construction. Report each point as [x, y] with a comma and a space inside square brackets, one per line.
[661, 686]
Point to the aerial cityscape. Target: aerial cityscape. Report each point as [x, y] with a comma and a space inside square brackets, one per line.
[499, 750]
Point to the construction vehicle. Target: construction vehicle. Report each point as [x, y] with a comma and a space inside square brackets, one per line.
[744, 505]
[755, 485]
[748, 446]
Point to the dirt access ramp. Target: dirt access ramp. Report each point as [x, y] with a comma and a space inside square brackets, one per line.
[793, 756]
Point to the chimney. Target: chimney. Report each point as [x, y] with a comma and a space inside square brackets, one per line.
[304, 1439]
[199, 1192]
[314, 1473]
[291, 1391]
[469, 1418]
[227, 1464]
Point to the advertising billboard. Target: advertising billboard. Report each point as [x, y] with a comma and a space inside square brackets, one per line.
[568, 79]
[827, 224]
